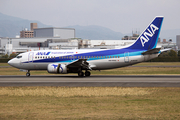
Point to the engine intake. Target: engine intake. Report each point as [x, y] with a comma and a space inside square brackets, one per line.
[57, 68]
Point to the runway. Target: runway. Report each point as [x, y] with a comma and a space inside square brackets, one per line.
[93, 81]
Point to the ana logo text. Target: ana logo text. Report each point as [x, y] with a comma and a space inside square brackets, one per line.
[43, 53]
[151, 31]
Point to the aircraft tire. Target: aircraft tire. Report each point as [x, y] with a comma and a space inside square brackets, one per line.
[81, 74]
[28, 74]
[87, 73]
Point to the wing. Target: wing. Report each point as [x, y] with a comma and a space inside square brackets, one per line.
[79, 63]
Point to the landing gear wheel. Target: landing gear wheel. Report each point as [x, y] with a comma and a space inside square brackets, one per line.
[28, 74]
[81, 74]
[87, 73]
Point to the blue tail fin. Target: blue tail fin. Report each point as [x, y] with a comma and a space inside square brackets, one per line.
[148, 39]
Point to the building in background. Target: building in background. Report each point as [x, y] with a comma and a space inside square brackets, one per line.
[134, 36]
[40, 38]
[28, 33]
[178, 41]
[20, 45]
[63, 33]
[64, 38]
[34, 26]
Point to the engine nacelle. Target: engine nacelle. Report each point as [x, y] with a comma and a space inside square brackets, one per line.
[57, 68]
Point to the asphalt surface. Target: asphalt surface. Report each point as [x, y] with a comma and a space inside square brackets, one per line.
[94, 81]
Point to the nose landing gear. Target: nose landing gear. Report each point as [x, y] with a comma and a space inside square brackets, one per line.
[28, 74]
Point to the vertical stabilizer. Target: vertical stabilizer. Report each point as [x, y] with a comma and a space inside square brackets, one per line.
[149, 37]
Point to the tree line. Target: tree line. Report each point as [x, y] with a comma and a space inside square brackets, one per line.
[169, 56]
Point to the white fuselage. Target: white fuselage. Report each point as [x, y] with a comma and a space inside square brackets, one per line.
[39, 60]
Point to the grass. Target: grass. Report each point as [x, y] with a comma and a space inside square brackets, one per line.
[158, 64]
[89, 103]
[119, 71]
[92, 102]
[4, 64]
[71, 91]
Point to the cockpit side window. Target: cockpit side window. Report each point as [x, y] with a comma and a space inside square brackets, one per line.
[19, 56]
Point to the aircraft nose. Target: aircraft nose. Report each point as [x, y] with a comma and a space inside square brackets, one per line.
[10, 62]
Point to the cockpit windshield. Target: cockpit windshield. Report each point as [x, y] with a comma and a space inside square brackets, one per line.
[19, 56]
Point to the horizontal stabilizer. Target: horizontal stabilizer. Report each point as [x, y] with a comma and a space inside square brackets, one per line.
[164, 50]
[155, 50]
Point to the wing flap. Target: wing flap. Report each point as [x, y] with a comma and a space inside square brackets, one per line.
[79, 63]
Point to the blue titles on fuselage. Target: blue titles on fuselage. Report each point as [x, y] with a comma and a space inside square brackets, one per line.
[43, 53]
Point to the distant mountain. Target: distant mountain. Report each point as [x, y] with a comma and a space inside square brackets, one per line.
[11, 26]
[94, 32]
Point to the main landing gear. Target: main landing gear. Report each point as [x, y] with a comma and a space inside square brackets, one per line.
[81, 74]
[28, 74]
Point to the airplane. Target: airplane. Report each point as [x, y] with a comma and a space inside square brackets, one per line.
[79, 60]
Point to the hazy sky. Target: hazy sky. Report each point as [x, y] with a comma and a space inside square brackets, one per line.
[118, 15]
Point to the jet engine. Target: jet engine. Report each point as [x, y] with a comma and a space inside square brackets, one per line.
[57, 68]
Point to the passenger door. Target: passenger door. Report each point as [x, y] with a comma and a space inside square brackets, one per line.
[126, 57]
[30, 57]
